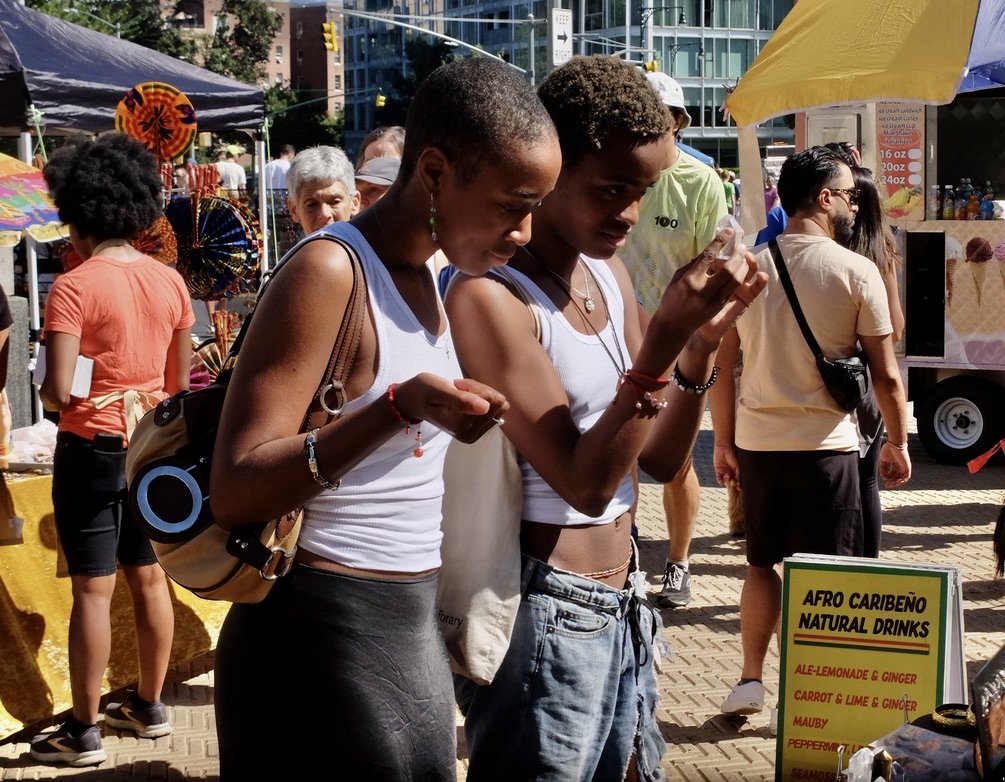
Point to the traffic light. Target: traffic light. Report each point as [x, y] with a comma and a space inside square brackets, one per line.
[652, 66]
[380, 100]
[331, 36]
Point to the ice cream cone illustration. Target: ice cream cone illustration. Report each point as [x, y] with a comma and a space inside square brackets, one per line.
[954, 252]
[1000, 257]
[979, 252]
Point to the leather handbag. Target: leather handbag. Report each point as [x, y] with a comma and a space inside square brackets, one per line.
[479, 580]
[846, 379]
[168, 468]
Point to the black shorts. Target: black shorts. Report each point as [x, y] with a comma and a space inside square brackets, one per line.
[90, 502]
[800, 502]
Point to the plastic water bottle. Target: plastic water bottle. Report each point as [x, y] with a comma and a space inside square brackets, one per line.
[973, 208]
[988, 207]
[948, 203]
[934, 203]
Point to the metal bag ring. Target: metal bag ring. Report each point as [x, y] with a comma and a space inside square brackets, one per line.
[333, 386]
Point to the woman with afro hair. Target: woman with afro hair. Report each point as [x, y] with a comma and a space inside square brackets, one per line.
[131, 315]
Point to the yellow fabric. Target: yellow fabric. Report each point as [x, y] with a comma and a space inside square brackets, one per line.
[832, 52]
[35, 612]
[135, 405]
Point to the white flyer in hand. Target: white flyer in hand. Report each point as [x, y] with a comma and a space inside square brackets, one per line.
[82, 372]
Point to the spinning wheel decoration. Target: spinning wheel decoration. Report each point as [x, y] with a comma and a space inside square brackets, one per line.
[158, 241]
[160, 116]
[218, 245]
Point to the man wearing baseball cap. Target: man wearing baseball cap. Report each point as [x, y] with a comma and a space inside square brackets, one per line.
[677, 220]
[374, 177]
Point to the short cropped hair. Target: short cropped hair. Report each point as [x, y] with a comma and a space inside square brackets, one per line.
[591, 98]
[804, 174]
[477, 111]
[395, 134]
[109, 188]
[320, 166]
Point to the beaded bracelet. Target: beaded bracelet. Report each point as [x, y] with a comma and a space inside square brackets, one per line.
[312, 461]
[642, 394]
[898, 446]
[408, 422]
[688, 387]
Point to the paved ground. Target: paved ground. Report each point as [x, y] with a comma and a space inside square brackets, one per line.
[945, 515]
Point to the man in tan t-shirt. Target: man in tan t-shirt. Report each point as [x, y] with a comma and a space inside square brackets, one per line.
[793, 449]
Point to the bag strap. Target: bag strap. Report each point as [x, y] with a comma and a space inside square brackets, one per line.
[323, 407]
[783, 275]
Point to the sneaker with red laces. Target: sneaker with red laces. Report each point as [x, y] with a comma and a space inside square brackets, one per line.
[148, 722]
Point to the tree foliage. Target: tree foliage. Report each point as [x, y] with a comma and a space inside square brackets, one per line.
[242, 50]
[302, 124]
[424, 57]
[138, 21]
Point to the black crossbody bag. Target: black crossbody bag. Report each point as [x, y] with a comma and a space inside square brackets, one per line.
[846, 379]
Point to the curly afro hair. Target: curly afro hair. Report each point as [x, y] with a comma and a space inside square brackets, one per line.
[109, 188]
[591, 98]
[477, 111]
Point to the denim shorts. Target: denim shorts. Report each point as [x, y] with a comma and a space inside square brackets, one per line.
[90, 502]
[576, 694]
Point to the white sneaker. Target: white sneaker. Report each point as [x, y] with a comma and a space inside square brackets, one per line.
[744, 699]
[773, 722]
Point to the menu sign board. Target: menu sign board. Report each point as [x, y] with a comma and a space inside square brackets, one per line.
[900, 158]
[866, 646]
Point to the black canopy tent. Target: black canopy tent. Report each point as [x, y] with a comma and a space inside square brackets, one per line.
[76, 77]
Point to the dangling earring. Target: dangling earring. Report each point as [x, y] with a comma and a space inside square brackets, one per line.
[432, 220]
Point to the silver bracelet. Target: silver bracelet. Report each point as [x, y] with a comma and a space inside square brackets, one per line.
[312, 462]
[898, 446]
[688, 387]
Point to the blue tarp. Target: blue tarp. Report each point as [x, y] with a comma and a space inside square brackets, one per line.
[706, 159]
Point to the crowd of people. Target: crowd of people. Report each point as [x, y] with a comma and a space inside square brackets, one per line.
[644, 306]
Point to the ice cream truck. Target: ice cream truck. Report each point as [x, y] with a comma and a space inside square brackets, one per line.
[953, 282]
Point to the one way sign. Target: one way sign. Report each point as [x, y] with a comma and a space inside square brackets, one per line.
[560, 38]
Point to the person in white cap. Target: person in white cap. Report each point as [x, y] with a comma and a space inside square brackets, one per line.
[374, 177]
[677, 220]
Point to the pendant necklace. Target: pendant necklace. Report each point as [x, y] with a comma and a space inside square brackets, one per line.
[588, 305]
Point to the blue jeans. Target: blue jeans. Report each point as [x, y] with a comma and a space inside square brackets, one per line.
[576, 695]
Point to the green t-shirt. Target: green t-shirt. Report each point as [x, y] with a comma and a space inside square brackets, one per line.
[676, 221]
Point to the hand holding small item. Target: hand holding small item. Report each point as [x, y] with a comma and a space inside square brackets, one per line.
[465, 408]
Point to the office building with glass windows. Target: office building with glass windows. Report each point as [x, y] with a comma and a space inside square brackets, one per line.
[707, 45]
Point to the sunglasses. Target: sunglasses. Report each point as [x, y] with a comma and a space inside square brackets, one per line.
[851, 194]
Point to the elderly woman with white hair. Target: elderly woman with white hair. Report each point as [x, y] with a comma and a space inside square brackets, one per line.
[321, 188]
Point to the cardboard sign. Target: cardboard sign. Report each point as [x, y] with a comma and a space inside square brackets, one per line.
[866, 646]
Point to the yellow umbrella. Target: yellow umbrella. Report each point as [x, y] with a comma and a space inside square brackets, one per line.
[833, 52]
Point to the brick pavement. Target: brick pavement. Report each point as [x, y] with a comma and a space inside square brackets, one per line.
[944, 515]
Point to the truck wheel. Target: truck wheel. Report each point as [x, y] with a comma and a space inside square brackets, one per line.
[960, 419]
